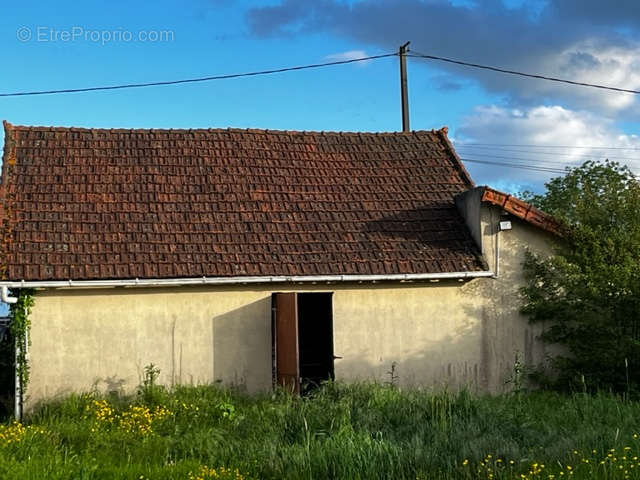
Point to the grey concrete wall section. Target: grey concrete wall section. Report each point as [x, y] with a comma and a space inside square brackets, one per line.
[469, 206]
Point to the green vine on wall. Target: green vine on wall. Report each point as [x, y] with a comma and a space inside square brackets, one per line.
[20, 325]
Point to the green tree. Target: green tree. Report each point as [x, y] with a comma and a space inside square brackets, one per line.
[588, 293]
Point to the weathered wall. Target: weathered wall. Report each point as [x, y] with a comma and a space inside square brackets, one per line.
[505, 331]
[447, 333]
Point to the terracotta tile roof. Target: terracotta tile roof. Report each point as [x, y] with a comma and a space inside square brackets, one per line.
[120, 204]
[522, 210]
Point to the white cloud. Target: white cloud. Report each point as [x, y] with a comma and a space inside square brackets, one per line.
[516, 136]
[348, 55]
[590, 62]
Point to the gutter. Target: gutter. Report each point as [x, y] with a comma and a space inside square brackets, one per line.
[4, 295]
[161, 282]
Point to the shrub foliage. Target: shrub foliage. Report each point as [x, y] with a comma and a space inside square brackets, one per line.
[588, 293]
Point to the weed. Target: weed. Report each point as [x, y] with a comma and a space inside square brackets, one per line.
[365, 431]
[393, 375]
[149, 391]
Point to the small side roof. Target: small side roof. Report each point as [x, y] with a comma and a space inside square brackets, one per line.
[522, 210]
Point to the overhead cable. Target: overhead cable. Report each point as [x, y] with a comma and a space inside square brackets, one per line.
[195, 80]
[522, 74]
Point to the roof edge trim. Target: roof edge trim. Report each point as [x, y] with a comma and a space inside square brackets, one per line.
[443, 132]
[8, 152]
[162, 282]
[8, 161]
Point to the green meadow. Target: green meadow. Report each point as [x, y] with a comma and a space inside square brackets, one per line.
[360, 431]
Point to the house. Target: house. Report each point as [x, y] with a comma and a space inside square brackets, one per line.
[250, 257]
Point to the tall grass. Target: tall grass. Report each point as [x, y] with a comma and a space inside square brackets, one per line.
[341, 431]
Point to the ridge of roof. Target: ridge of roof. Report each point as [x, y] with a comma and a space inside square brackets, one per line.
[11, 127]
[523, 210]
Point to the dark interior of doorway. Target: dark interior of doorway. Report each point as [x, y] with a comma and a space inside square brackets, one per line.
[315, 339]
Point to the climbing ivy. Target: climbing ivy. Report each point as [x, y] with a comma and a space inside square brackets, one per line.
[20, 325]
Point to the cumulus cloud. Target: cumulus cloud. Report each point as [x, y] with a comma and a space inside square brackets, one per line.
[531, 137]
[584, 40]
[592, 62]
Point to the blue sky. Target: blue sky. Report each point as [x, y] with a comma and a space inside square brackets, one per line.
[568, 38]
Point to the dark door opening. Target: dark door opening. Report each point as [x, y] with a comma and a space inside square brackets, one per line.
[315, 339]
[302, 340]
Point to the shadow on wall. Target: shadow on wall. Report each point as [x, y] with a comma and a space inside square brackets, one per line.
[112, 385]
[242, 346]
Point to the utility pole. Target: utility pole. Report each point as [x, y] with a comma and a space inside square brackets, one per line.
[404, 87]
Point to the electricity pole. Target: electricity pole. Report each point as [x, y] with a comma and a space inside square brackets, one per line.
[404, 87]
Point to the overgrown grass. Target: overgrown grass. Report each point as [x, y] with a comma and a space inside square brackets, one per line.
[342, 431]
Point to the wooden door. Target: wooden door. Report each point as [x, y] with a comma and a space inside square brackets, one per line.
[285, 338]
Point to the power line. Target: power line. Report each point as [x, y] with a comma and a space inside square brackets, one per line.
[551, 162]
[547, 146]
[522, 166]
[522, 74]
[516, 165]
[555, 154]
[194, 80]
[318, 65]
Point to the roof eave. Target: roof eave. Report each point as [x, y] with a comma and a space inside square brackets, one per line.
[167, 282]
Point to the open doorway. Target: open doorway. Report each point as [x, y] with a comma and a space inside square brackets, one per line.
[315, 337]
[302, 340]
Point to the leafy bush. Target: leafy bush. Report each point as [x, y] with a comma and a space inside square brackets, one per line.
[588, 294]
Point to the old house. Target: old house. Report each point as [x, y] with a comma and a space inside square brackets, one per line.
[255, 256]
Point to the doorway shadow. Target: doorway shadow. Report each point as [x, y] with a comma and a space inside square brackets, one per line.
[242, 346]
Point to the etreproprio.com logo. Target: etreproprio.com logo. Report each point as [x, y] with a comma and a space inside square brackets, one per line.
[47, 34]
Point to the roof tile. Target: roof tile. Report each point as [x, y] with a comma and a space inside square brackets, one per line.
[113, 204]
